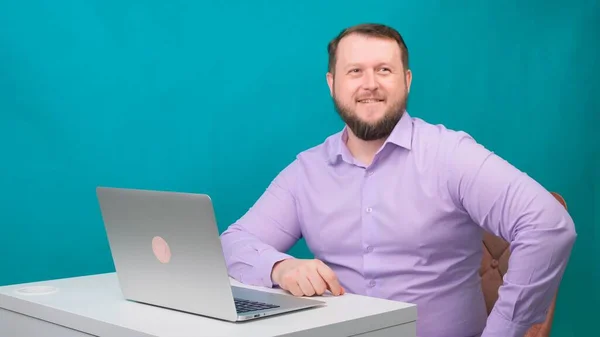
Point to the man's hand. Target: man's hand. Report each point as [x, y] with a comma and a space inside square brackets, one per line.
[306, 277]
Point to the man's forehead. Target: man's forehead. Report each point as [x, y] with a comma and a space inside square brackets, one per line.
[360, 48]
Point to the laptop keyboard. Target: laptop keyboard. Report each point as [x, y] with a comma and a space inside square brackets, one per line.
[246, 306]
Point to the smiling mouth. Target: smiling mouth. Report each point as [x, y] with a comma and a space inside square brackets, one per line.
[370, 100]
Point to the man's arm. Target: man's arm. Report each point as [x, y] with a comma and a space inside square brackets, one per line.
[510, 204]
[254, 243]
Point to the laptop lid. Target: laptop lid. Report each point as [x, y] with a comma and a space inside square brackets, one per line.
[167, 251]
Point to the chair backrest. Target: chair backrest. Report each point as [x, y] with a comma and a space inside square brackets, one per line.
[494, 265]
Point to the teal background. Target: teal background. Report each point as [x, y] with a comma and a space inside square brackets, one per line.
[218, 97]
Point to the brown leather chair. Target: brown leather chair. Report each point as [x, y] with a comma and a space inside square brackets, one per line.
[493, 267]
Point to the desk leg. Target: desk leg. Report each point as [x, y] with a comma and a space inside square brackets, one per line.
[15, 324]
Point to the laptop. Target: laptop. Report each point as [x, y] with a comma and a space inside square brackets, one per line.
[167, 252]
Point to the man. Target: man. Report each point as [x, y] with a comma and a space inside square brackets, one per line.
[394, 207]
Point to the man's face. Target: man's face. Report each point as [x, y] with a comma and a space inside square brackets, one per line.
[370, 86]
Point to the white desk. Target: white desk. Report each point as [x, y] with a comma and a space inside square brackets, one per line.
[94, 306]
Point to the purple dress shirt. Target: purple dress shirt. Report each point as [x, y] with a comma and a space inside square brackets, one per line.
[409, 228]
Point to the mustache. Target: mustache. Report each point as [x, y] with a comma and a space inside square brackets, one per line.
[378, 97]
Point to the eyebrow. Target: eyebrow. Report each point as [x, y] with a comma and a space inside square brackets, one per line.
[353, 65]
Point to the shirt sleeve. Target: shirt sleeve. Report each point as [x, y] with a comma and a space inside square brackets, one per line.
[508, 203]
[254, 243]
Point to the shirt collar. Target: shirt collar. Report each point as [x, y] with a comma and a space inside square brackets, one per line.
[401, 136]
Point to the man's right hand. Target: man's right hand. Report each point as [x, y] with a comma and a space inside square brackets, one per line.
[306, 277]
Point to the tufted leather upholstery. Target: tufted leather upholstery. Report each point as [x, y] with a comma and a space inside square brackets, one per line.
[493, 267]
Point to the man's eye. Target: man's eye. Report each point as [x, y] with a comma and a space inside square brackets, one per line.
[387, 70]
[354, 70]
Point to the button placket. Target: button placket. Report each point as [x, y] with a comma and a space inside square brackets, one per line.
[368, 201]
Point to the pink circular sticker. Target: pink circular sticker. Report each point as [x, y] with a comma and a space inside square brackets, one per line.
[161, 249]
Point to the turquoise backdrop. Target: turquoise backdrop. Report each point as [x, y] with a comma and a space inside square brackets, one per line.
[217, 97]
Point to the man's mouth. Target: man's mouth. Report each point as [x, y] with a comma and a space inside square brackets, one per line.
[370, 100]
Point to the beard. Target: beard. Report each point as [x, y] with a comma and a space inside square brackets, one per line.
[379, 129]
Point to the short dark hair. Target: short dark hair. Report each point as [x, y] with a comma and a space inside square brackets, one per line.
[368, 29]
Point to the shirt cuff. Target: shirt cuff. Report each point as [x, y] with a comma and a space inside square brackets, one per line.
[498, 326]
[265, 267]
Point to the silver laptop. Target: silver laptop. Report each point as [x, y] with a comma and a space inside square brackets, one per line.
[167, 252]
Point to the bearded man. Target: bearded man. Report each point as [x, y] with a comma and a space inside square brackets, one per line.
[394, 207]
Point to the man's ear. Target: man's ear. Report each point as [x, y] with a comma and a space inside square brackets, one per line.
[329, 77]
[408, 80]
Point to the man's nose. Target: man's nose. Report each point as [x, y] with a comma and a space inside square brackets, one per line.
[370, 81]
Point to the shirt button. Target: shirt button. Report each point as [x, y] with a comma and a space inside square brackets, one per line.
[369, 249]
[369, 210]
[369, 173]
[372, 284]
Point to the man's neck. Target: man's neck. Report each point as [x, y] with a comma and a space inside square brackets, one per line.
[361, 150]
